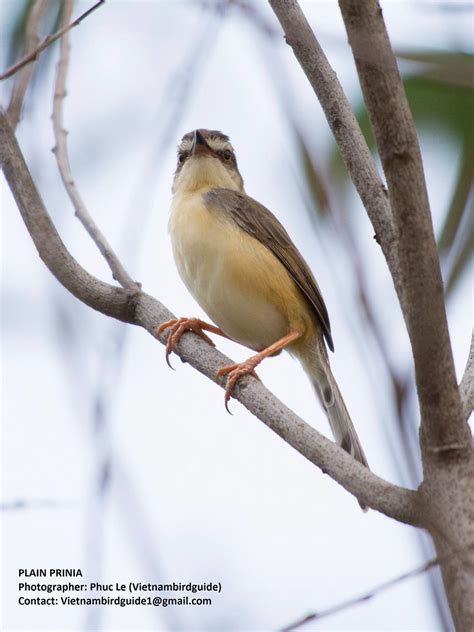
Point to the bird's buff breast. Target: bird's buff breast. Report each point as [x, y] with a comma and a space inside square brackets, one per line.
[238, 282]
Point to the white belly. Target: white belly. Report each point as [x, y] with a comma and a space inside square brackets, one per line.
[228, 272]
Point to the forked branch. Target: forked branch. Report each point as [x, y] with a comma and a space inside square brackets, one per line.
[403, 227]
[62, 157]
[422, 295]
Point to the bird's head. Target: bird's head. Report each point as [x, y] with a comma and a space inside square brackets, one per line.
[206, 160]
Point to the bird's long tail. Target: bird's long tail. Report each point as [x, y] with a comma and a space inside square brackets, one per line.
[316, 364]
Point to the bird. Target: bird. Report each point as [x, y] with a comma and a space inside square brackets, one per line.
[241, 266]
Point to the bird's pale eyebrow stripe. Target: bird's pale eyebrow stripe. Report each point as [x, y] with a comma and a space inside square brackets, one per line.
[217, 144]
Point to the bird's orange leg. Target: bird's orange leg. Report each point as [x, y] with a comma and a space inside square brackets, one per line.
[235, 371]
[179, 326]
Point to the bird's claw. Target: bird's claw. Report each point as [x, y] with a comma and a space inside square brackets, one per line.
[178, 327]
[234, 373]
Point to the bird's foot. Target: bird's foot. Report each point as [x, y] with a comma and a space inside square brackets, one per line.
[179, 326]
[235, 371]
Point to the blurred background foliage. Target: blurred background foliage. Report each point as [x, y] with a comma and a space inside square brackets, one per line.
[439, 89]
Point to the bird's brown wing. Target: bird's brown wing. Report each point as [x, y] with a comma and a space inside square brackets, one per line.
[259, 222]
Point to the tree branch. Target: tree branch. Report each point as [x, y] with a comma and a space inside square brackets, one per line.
[143, 310]
[350, 603]
[37, 503]
[421, 296]
[466, 387]
[35, 15]
[354, 149]
[33, 55]
[103, 297]
[62, 158]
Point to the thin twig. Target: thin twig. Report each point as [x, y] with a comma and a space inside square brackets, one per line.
[350, 603]
[22, 503]
[20, 87]
[33, 55]
[466, 388]
[60, 151]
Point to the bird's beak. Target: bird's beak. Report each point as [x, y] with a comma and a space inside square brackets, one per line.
[199, 145]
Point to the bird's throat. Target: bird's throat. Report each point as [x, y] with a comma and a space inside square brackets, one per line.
[202, 174]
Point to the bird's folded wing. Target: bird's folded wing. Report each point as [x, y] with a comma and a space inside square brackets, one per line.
[259, 222]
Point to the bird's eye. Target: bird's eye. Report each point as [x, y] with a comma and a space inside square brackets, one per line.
[227, 155]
